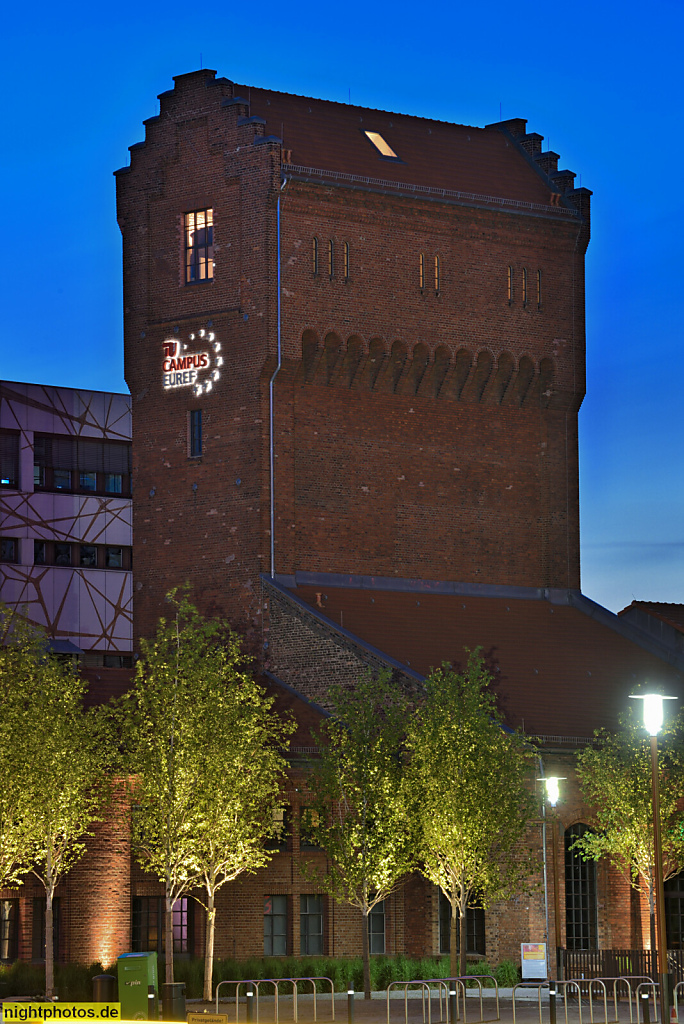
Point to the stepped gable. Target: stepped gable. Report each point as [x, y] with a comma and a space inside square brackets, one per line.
[563, 665]
[435, 154]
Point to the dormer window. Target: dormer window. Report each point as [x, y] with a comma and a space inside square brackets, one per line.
[382, 147]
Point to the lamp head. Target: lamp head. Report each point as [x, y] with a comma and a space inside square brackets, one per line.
[653, 710]
[552, 789]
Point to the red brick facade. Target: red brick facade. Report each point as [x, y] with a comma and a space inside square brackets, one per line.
[429, 316]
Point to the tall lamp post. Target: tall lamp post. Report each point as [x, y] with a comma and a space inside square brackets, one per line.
[552, 795]
[653, 721]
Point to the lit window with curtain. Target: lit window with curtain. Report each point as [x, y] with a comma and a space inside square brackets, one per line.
[437, 274]
[199, 246]
[421, 271]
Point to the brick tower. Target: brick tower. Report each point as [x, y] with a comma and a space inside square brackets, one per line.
[354, 342]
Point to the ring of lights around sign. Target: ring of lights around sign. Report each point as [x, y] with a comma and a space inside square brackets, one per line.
[182, 368]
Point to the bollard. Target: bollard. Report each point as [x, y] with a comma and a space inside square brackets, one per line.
[250, 1004]
[553, 991]
[453, 1006]
[647, 1013]
[350, 1006]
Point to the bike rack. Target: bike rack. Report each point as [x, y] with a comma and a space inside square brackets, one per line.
[680, 984]
[424, 987]
[654, 986]
[276, 982]
[539, 985]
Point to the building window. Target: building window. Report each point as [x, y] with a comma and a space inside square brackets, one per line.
[88, 556]
[315, 256]
[38, 928]
[275, 926]
[308, 822]
[62, 554]
[510, 285]
[39, 552]
[9, 549]
[195, 438]
[281, 829]
[9, 929]
[113, 558]
[9, 459]
[539, 289]
[437, 274]
[331, 257]
[199, 246]
[63, 463]
[475, 928]
[580, 894]
[376, 928]
[674, 911]
[147, 925]
[524, 287]
[345, 252]
[421, 271]
[381, 145]
[311, 925]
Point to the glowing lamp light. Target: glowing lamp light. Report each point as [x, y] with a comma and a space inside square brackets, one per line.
[552, 789]
[653, 710]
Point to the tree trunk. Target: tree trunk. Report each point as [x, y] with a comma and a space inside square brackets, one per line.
[453, 939]
[365, 946]
[209, 946]
[463, 921]
[49, 945]
[168, 939]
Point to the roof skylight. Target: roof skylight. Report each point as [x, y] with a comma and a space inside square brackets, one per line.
[383, 147]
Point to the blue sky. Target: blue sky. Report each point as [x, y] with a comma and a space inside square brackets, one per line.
[599, 82]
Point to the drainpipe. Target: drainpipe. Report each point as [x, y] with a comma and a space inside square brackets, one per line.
[271, 399]
[546, 887]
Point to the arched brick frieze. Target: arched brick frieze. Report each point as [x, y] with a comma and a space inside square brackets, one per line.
[331, 353]
[310, 346]
[351, 362]
[477, 381]
[547, 372]
[501, 379]
[521, 382]
[434, 376]
[415, 370]
[389, 378]
[368, 372]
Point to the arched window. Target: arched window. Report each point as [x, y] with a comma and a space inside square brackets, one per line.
[580, 894]
[331, 257]
[524, 287]
[510, 285]
[437, 275]
[421, 271]
[346, 260]
[314, 255]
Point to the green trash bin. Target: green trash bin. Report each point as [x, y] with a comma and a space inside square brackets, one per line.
[138, 988]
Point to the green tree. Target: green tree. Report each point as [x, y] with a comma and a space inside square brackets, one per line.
[60, 755]
[469, 779]
[362, 819]
[239, 789]
[615, 778]
[202, 749]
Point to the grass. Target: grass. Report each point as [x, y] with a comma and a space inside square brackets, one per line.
[74, 981]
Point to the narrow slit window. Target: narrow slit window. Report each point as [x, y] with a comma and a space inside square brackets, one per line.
[346, 261]
[199, 246]
[421, 271]
[539, 289]
[314, 256]
[382, 147]
[195, 439]
[437, 273]
[331, 257]
[510, 285]
[524, 287]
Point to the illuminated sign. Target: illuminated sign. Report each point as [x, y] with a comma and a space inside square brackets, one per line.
[198, 370]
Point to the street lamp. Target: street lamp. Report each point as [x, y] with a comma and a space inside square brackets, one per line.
[653, 721]
[552, 795]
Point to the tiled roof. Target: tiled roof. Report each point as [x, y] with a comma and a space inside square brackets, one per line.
[672, 614]
[330, 136]
[559, 670]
